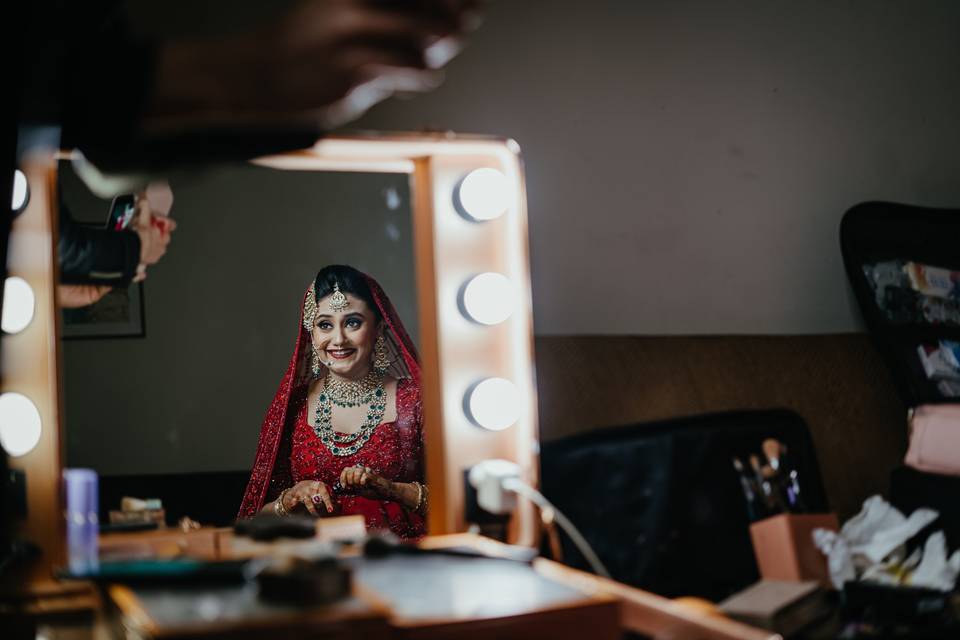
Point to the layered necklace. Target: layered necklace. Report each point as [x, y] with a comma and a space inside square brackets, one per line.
[368, 390]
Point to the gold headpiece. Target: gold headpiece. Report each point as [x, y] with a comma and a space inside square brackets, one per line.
[338, 301]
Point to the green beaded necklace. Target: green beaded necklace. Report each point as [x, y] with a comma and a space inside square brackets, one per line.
[337, 441]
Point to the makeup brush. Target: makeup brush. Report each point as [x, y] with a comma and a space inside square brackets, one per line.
[748, 493]
[791, 478]
[773, 450]
[774, 504]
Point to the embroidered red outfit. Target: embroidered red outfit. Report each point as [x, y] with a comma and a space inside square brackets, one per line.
[290, 451]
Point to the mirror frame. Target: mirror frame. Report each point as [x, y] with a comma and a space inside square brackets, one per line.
[456, 352]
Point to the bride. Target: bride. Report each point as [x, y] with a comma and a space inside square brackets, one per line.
[343, 434]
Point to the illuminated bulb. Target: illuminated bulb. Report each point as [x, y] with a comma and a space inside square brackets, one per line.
[493, 404]
[19, 190]
[19, 424]
[483, 194]
[18, 301]
[488, 298]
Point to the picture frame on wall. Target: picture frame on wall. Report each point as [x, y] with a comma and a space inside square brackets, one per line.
[119, 314]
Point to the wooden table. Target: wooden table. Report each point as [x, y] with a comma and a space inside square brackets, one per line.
[399, 596]
[408, 598]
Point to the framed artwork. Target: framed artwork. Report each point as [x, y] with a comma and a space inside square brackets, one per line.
[119, 314]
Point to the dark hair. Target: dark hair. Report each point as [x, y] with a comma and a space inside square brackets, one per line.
[349, 280]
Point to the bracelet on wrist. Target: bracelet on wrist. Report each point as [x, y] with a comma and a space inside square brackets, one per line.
[278, 507]
[421, 496]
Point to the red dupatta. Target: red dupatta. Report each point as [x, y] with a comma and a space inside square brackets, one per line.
[271, 466]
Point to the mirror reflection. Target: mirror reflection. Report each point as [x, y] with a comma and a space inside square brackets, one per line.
[186, 387]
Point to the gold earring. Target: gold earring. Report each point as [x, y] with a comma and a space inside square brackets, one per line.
[315, 361]
[381, 359]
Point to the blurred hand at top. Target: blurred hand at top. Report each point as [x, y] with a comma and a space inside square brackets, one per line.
[321, 63]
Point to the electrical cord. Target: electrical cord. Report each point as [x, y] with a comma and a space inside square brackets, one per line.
[522, 489]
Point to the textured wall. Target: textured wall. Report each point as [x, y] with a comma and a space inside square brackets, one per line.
[688, 161]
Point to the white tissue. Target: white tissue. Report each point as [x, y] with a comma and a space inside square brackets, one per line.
[870, 546]
[934, 570]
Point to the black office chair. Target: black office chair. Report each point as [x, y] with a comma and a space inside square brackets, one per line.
[661, 503]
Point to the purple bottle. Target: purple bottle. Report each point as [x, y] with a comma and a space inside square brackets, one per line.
[83, 526]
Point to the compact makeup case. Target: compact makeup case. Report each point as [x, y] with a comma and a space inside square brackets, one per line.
[904, 265]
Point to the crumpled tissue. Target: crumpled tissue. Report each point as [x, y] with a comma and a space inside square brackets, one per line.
[871, 546]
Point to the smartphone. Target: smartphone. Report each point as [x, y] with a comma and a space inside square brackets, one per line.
[122, 210]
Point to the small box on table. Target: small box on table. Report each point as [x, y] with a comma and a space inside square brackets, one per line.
[783, 546]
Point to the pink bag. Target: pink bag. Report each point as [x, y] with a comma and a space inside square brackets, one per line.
[935, 439]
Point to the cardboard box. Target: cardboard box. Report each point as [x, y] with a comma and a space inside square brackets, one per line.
[783, 546]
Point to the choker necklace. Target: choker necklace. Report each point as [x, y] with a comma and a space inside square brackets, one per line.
[345, 444]
[352, 393]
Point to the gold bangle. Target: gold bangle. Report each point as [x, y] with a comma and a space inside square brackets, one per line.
[278, 507]
[421, 496]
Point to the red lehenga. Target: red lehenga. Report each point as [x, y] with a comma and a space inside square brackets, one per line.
[289, 451]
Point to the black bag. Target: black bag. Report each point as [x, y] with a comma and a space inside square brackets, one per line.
[661, 503]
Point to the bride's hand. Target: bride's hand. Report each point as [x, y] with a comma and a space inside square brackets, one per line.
[309, 493]
[365, 481]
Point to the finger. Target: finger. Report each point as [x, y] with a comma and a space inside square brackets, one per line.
[325, 497]
[352, 476]
[165, 225]
[363, 60]
[379, 23]
[364, 478]
[143, 213]
[308, 503]
[343, 478]
[160, 196]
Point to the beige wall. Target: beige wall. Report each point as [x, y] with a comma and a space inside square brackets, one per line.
[688, 161]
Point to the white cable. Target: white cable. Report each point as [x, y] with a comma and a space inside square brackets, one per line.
[521, 488]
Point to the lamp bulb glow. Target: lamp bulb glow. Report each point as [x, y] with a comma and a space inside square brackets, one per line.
[483, 194]
[493, 403]
[19, 190]
[19, 424]
[488, 298]
[18, 304]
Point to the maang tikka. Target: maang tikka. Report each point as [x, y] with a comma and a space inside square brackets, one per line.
[338, 301]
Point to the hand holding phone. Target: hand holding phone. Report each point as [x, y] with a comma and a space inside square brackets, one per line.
[154, 232]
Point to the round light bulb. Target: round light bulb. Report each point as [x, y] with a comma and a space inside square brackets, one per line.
[18, 303]
[493, 403]
[488, 298]
[483, 194]
[19, 424]
[20, 190]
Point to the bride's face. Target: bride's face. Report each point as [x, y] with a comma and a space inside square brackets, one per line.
[345, 339]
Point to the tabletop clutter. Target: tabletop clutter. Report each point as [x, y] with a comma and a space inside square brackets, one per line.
[889, 569]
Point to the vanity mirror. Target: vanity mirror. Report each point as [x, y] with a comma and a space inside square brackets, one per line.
[438, 221]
